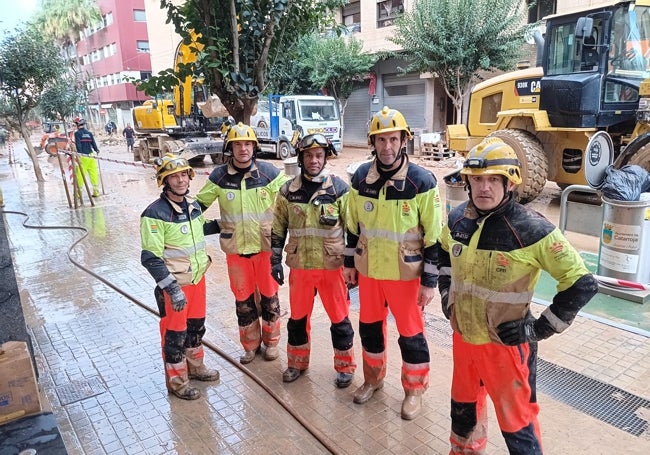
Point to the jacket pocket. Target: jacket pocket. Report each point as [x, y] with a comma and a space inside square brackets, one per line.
[361, 257]
[266, 237]
[292, 259]
[333, 255]
[228, 242]
[410, 263]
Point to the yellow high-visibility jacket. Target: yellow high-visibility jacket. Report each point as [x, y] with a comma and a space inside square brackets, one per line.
[393, 224]
[314, 222]
[246, 202]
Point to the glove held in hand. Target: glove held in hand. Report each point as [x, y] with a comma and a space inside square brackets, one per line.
[177, 296]
[277, 272]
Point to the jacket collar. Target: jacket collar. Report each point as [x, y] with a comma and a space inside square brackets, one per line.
[397, 180]
[252, 172]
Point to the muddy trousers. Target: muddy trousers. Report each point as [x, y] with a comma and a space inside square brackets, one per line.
[376, 297]
[89, 167]
[248, 273]
[331, 288]
[181, 333]
[492, 369]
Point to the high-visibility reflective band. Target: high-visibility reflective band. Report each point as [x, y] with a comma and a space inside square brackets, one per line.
[430, 268]
[389, 235]
[250, 216]
[558, 324]
[348, 252]
[315, 232]
[184, 252]
[444, 271]
[515, 298]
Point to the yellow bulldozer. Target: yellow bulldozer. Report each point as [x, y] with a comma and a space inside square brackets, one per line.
[586, 106]
[188, 124]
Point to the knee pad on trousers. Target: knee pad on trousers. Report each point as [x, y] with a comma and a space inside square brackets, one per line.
[372, 336]
[174, 346]
[297, 329]
[246, 311]
[414, 349]
[195, 332]
[270, 307]
[342, 334]
[463, 418]
[160, 301]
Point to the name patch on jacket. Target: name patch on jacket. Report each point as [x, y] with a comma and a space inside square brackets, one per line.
[153, 228]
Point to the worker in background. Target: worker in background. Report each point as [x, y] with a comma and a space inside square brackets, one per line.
[87, 150]
[394, 219]
[172, 231]
[246, 190]
[310, 208]
[493, 250]
[129, 135]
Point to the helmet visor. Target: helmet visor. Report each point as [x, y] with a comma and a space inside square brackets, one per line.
[318, 139]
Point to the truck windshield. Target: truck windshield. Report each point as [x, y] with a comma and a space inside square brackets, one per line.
[317, 110]
[627, 46]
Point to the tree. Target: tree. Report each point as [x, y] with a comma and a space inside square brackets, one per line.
[238, 37]
[60, 100]
[458, 39]
[27, 66]
[63, 21]
[336, 64]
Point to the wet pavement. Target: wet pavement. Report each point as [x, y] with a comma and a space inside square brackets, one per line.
[89, 307]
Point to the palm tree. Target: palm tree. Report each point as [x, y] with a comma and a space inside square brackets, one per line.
[63, 21]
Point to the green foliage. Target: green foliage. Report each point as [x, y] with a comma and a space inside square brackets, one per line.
[459, 39]
[63, 20]
[239, 44]
[337, 63]
[27, 67]
[61, 99]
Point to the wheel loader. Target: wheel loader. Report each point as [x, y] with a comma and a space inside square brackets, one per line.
[586, 106]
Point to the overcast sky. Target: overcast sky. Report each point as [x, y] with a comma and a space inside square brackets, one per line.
[15, 12]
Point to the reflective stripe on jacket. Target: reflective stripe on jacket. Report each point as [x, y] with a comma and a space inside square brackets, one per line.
[496, 261]
[315, 224]
[173, 241]
[246, 203]
[393, 225]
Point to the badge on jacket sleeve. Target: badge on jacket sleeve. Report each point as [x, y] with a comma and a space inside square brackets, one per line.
[456, 249]
[185, 229]
[368, 206]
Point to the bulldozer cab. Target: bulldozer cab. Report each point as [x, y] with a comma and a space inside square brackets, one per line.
[594, 62]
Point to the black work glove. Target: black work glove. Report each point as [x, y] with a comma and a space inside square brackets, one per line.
[177, 296]
[211, 227]
[517, 332]
[277, 272]
[444, 299]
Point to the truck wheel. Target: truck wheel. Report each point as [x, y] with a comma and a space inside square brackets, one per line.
[534, 163]
[145, 153]
[641, 157]
[218, 158]
[284, 150]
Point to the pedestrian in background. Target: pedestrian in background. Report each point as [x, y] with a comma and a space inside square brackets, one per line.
[172, 231]
[245, 190]
[394, 220]
[310, 208]
[492, 252]
[129, 134]
[87, 150]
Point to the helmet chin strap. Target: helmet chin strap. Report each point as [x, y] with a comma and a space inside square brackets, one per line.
[318, 178]
[168, 188]
[386, 167]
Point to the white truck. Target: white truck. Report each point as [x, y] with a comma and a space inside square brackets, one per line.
[308, 114]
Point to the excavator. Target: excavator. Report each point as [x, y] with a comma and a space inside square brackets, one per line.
[586, 106]
[188, 124]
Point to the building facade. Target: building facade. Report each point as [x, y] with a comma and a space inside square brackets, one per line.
[110, 52]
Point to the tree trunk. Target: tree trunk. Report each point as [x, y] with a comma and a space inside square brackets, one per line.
[32, 153]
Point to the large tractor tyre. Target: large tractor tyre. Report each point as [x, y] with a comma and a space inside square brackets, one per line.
[284, 150]
[640, 157]
[145, 152]
[534, 163]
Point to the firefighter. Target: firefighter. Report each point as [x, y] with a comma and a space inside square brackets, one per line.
[86, 148]
[394, 219]
[311, 209]
[246, 190]
[493, 250]
[172, 231]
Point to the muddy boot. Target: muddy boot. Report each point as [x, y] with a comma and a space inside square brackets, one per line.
[411, 406]
[196, 368]
[178, 382]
